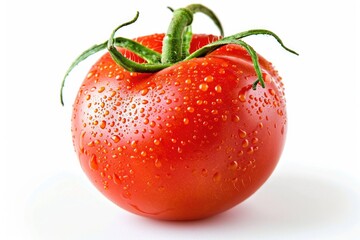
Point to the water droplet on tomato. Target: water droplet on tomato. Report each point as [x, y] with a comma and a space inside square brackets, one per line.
[93, 163]
[116, 179]
[144, 91]
[245, 143]
[158, 163]
[186, 121]
[267, 78]
[235, 118]
[209, 79]
[103, 124]
[101, 89]
[217, 177]
[233, 165]
[242, 133]
[272, 92]
[190, 109]
[81, 141]
[250, 150]
[115, 138]
[157, 142]
[203, 87]
[179, 149]
[90, 74]
[218, 88]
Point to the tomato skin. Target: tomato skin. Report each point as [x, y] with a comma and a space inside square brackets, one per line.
[187, 142]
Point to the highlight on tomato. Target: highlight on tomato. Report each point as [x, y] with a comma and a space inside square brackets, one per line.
[179, 126]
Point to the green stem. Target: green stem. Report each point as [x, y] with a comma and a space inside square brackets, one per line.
[149, 55]
[177, 40]
[173, 41]
[176, 45]
[127, 63]
[208, 12]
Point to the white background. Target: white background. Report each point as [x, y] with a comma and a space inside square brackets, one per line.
[313, 194]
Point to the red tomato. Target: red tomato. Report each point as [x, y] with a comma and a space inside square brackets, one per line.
[186, 142]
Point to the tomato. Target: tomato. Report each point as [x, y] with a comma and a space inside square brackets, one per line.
[185, 142]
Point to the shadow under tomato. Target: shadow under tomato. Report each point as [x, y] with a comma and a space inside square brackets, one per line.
[285, 205]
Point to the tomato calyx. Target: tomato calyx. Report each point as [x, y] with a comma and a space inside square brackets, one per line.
[176, 45]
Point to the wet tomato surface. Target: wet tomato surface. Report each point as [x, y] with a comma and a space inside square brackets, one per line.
[187, 142]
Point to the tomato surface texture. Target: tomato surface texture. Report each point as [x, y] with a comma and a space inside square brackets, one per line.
[187, 142]
[184, 142]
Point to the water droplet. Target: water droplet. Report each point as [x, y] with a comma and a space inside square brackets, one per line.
[93, 163]
[81, 141]
[203, 87]
[234, 181]
[190, 109]
[101, 89]
[218, 88]
[157, 142]
[250, 150]
[209, 79]
[235, 118]
[143, 153]
[283, 129]
[224, 117]
[115, 138]
[186, 121]
[103, 124]
[133, 144]
[144, 91]
[267, 78]
[217, 177]
[158, 163]
[242, 97]
[133, 74]
[245, 143]
[233, 165]
[242, 133]
[116, 179]
[221, 71]
[179, 149]
[90, 74]
[214, 111]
